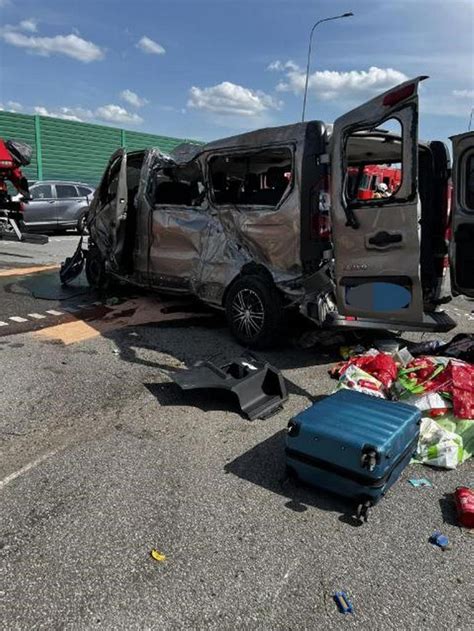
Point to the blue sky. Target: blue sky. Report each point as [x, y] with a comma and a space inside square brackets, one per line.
[210, 68]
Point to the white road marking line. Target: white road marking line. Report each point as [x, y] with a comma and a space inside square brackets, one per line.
[55, 313]
[36, 316]
[3, 323]
[18, 319]
[98, 302]
[26, 468]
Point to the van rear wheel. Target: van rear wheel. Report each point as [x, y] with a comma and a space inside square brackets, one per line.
[254, 311]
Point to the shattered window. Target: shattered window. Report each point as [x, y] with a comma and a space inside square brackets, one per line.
[109, 186]
[178, 186]
[253, 179]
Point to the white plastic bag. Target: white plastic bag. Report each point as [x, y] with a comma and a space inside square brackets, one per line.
[438, 446]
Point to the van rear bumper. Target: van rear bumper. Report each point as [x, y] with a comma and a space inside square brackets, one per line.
[438, 321]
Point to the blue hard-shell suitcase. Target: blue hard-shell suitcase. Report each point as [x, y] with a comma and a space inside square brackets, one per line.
[352, 444]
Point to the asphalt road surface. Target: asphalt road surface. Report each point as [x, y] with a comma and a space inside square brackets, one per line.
[104, 459]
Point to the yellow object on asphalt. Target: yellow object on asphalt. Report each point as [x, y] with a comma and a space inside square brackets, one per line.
[158, 556]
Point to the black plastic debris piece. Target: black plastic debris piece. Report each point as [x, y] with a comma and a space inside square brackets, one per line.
[72, 266]
[258, 386]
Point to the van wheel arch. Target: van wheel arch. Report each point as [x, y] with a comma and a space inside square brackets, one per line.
[256, 294]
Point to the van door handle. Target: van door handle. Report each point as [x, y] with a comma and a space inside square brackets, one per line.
[384, 239]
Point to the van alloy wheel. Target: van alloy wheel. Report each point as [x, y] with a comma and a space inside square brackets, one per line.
[254, 311]
[248, 313]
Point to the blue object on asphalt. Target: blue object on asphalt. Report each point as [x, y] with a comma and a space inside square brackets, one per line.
[439, 540]
[417, 482]
[343, 603]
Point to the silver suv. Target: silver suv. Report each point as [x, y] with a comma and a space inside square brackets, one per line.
[57, 205]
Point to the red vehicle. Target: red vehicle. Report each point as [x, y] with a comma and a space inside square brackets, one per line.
[14, 155]
[363, 181]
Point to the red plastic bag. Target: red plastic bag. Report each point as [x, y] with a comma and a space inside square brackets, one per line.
[463, 389]
[380, 366]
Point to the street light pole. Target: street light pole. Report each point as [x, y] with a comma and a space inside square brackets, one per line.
[336, 17]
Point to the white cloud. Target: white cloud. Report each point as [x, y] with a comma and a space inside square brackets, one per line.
[66, 113]
[15, 106]
[333, 85]
[147, 45]
[463, 94]
[11, 106]
[280, 66]
[230, 99]
[132, 98]
[114, 114]
[117, 114]
[70, 45]
[28, 25]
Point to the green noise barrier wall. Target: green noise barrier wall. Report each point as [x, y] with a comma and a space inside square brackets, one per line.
[69, 150]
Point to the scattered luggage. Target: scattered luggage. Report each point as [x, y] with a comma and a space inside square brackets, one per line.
[352, 444]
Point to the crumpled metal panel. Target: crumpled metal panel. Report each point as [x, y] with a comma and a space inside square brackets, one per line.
[221, 260]
[177, 241]
[104, 218]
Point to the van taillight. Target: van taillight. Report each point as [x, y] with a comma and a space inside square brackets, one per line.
[320, 227]
[320, 221]
[392, 98]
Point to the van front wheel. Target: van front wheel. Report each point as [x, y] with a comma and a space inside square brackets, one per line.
[95, 269]
[254, 311]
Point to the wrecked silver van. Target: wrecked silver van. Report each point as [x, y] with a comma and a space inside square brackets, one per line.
[270, 220]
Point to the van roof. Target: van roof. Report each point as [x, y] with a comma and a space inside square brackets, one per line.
[266, 136]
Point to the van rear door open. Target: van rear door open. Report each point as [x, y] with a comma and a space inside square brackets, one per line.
[377, 241]
[462, 216]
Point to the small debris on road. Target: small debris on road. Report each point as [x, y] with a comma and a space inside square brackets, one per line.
[343, 603]
[440, 540]
[420, 482]
[158, 556]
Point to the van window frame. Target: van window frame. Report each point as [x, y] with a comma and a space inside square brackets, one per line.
[393, 199]
[152, 184]
[230, 152]
[461, 193]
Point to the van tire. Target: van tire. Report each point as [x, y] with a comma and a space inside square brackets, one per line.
[254, 311]
[95, 269]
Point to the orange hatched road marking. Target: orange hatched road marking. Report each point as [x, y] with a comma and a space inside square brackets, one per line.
[69, 332]
[24, 271]
[145, 310]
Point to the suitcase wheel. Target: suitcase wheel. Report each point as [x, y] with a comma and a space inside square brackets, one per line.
[363, 510]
